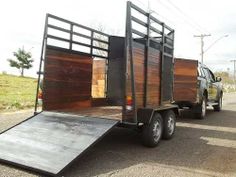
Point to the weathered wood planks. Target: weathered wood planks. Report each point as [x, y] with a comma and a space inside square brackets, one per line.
[139, 58]
[67, 80]
[153, 76]
[185, 80]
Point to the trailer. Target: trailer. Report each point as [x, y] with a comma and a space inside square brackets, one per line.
[196, 87]
[93, 81]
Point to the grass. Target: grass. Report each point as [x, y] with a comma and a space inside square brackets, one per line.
[16, 92]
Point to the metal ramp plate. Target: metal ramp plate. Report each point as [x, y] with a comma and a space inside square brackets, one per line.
[49, 141]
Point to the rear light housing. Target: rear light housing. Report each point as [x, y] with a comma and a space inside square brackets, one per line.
[40, 95]
[129, 103]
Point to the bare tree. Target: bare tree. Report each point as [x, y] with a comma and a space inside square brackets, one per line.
[102, 28]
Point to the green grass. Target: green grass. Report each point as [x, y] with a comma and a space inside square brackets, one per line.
[16, 92]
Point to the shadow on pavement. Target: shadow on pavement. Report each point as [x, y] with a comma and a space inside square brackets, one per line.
[192, 148]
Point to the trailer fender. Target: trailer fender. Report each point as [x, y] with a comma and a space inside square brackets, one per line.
[176, 111]
[162, 112]
[144, 115]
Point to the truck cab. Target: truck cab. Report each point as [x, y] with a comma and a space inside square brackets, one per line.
[210, 88]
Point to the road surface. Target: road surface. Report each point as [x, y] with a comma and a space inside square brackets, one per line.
[199, 148]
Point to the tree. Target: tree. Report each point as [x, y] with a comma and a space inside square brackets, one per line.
[23, 60]
[225, 77]
[102, 28]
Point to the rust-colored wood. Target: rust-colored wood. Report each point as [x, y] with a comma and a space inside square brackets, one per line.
[139, 57]
[67, 80]
[57, 106]
[185, 80]
[153, 78]
[95, 102]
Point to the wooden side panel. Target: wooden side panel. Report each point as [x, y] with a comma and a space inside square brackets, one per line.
[153, 78]
[139, 57]
[67, 80]
[185, 80]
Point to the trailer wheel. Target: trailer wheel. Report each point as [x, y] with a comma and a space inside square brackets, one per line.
[169, 120]
[201, 109]
[219, 106]
[152, 132]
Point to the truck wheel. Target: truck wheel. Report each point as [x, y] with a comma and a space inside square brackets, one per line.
[219, 106]
[152, 132]
[201, 109]
[169, 120]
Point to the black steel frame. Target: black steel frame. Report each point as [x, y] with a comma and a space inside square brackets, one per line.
[92, 46]
[165, 38]
[92, 37]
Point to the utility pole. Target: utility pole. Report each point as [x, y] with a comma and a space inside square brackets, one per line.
[202, 43]
[234, 71]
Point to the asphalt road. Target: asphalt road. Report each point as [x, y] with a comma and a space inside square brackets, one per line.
[199, 148]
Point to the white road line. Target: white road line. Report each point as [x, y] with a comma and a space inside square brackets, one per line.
[207, 127]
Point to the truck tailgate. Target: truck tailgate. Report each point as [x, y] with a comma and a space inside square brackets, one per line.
[50, 141]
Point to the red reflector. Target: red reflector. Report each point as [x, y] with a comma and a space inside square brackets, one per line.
[40, 95]
[129, 100]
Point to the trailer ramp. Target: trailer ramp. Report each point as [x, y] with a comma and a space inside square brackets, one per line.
[50, 141]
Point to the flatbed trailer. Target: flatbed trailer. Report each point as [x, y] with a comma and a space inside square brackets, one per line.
[91, 82]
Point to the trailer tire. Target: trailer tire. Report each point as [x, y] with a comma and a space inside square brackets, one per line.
[219, 106]
[201, 109]
[169, 120]
[152, 132]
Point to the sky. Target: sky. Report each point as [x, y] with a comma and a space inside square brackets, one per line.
[22, 24]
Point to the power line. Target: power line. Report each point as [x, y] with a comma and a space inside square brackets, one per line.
[141, 3]
[183, 16]
[148, 7]
[176, 12]
[180, 17]
[170, 21]
[186, 16]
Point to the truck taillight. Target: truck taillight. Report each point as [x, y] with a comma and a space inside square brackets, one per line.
[129, 103]
[40, 95]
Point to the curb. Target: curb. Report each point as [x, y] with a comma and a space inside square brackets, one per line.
[17, 112]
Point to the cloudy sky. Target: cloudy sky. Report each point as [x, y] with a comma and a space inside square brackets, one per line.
[22, 24]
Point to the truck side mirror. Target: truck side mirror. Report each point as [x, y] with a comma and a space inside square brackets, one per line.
[218, 79]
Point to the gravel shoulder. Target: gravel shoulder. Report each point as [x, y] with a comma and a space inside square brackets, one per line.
[199, 148]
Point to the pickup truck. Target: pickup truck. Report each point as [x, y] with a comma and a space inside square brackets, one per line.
[196, 87]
